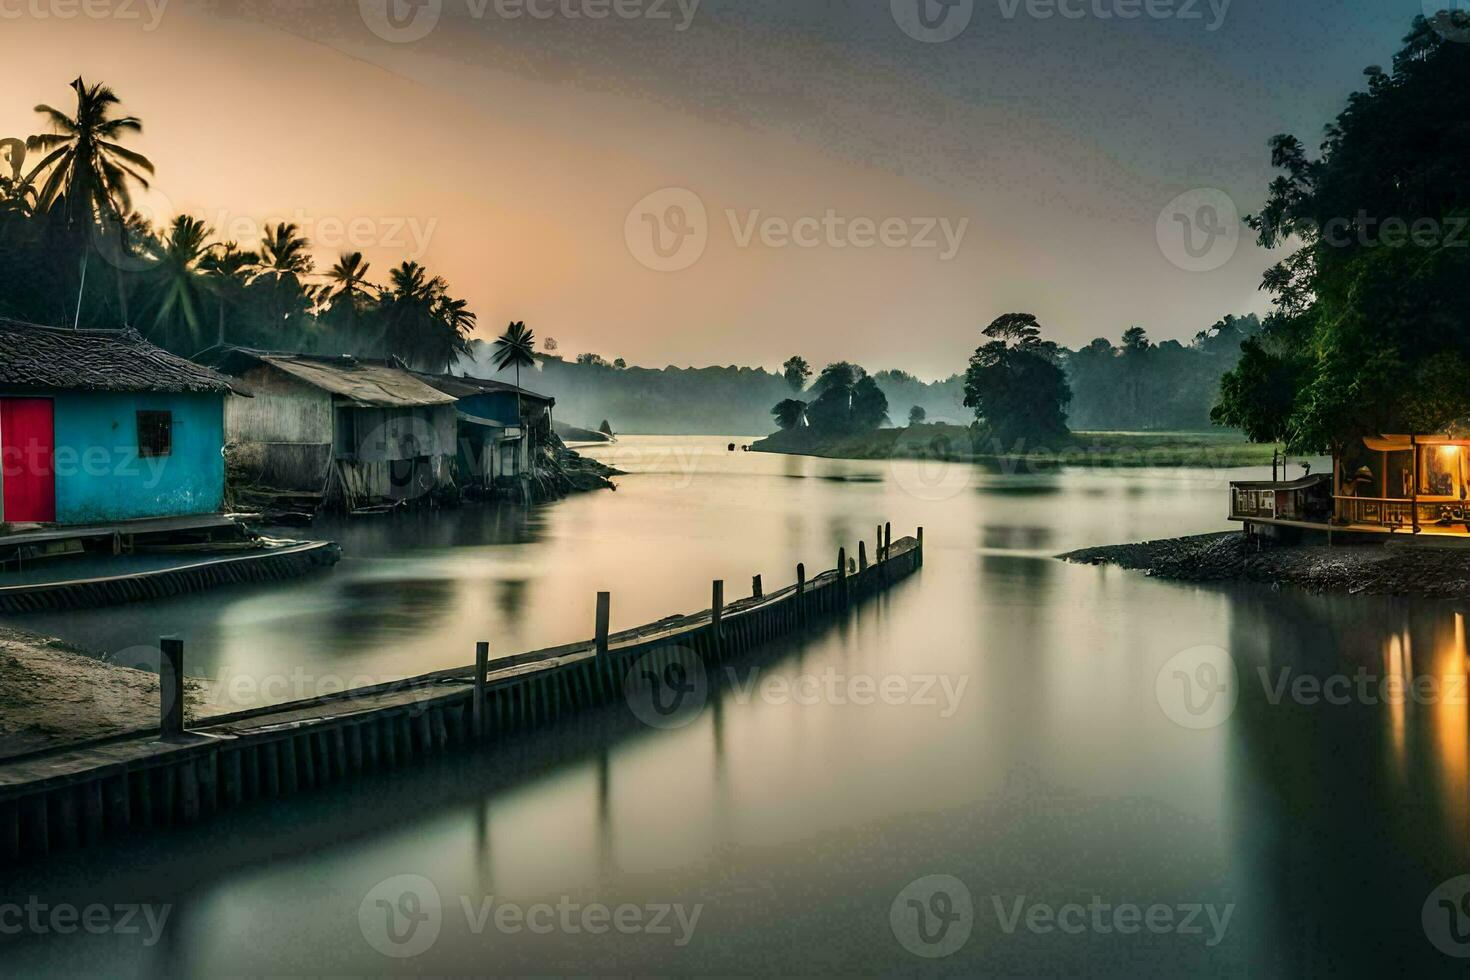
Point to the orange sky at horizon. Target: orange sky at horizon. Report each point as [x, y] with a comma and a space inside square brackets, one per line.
[517, 188]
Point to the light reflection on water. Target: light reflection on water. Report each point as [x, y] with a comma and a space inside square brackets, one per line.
[1058, 776]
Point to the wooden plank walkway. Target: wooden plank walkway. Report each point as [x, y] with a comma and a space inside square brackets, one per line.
[81, 794]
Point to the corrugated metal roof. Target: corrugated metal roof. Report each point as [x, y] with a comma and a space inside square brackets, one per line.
[41, 358]
[464, 386]
[370, 384]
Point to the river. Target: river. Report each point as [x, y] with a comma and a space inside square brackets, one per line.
[1022, 727]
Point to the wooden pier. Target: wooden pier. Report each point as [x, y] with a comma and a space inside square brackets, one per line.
[204, 572]
[77, 796]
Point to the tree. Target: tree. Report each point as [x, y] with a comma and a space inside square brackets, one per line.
[796, 371]
[1015, 385]
[516, 348]
[869, 405]
[1368, 332]
[831, 413]
[89, 168]
[620, 364]
[178, 285]
[228, 270]
[789, 413]
[550, 345]
[840, 375]
[283, 260]
[917, 415]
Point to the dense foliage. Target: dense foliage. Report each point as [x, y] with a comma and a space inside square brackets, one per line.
[1140, 386]
[77, 251]
[1369, 328]
[1015, 384]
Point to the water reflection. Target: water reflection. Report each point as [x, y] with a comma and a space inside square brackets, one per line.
[1058, 776]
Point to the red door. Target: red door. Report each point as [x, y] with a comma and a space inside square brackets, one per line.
[27, 455]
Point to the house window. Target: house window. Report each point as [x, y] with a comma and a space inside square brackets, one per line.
[155, 433]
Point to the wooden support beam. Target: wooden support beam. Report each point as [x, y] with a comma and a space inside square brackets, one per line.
[755, 587]
[717, 609]
[482, 665]
[604, 614]
[171, 687]
[801, 591]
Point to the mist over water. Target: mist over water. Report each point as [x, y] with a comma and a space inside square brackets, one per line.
[1057, 756]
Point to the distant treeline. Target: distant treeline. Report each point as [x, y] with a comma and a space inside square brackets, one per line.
[1138, 386]
[1134, 385]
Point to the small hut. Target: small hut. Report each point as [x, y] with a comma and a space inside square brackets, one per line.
[500, 429]
[1417, 483]
[100, 426]
[355, 431]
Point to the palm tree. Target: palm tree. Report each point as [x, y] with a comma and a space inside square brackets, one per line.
[177, 283]
[348, 297]
[455, 319]
[228, 269]
[89, 170]
[515, 348]
[408, 309]
[284, 259]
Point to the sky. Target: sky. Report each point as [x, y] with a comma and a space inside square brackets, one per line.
[735, 181]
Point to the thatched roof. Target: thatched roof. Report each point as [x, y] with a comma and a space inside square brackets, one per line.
[37, 358]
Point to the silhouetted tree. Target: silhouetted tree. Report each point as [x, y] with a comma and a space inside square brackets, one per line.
[789, 413]
[1014, 383]
[796, 371]
[917, 415]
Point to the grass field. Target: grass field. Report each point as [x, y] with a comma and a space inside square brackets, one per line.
[1221, 448]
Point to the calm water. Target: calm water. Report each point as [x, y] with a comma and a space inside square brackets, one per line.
[1047, 737]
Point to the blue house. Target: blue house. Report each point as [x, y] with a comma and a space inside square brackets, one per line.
[500, 428]
[99, 426]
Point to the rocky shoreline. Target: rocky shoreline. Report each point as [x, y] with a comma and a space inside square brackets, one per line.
[1390, 568]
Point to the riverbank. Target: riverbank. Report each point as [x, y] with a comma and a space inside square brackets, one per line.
[53, 693]
[962, 444]
[1391, 568]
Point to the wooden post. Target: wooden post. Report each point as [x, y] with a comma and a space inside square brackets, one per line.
[755, 587]
[863, 554]
[717, 608]
[842, 575]
[801, 591]
[482, 664]
[1414, 484]
[171, 687]
[887, 539]
[920, 559]
[878, 544]
[604, 609]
